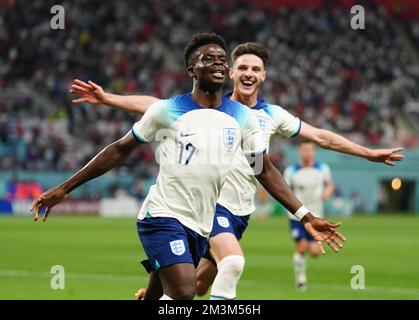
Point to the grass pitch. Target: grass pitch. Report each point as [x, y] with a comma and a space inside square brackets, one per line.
[100, 258]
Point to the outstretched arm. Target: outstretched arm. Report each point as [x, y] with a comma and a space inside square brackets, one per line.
[92, 93]
[321, 230]
[329, 140]
[104, 161]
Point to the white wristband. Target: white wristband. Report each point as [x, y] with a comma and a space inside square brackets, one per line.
[300, 213]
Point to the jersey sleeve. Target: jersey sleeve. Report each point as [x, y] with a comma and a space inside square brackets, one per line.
[286, 124]
[288, 175]
[152, 121]
[326, 172]
[252, 137]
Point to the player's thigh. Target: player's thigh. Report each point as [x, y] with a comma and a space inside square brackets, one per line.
[223, 245]
[178, 280]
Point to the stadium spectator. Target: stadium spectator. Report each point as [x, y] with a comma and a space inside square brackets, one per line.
[317, 72]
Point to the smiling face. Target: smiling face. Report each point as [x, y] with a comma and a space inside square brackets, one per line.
[209, 67]
[248, 73]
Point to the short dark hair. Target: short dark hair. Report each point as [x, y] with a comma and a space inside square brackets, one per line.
[255, 48]
[199, 40]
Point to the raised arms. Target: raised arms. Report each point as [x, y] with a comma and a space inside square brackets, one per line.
[329, 140]
[104, 161]
[92, 93]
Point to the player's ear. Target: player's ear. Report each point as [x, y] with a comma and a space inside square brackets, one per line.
[191, 72]
[231, 72]
[263, 75]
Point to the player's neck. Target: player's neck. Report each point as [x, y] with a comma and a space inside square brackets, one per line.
[307, 163]
[207, 99]
[249, 101]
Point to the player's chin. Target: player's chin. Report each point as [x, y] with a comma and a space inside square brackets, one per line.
[215, 82]
[218, 79]
[247, 90]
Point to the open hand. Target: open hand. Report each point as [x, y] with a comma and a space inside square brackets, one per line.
[386, 156]
[88, 92]
[324, 231]
[48, 200]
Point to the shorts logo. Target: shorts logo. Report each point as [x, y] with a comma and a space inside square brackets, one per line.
[295, 233]
[178, 247]
[223, 222]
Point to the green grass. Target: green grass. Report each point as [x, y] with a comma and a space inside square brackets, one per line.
[100, 257]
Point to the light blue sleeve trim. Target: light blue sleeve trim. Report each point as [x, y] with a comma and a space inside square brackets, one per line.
[292, 169]
[298, 130]
[138, 137]
[324, 167]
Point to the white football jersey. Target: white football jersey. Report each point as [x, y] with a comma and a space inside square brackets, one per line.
[197, 150]
[238, 193]
[308, 184]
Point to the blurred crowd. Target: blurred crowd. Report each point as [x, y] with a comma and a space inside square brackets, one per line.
[355, 82]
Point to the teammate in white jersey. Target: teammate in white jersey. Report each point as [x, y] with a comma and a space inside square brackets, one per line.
[312, 184]
[236, 200]
[201, 134]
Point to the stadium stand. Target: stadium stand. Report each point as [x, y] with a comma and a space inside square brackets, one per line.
[360, 83]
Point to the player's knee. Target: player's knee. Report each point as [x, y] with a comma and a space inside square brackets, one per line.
[202, 287]
[301, 250]
[232, 265]
[315, 252]
[229, 271]
[301, 247]
[184, 292]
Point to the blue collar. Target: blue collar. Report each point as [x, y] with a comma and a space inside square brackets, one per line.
[260, 104]
[316, 165]
[192, 102]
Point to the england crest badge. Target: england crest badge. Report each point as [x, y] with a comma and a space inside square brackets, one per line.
[223, 222]
[262, 124]
[178, 247]
[229, 134]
